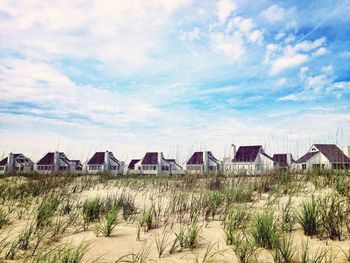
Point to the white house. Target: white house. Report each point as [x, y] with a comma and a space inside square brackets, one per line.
[323, 156]
[248, 160]
[57, 162]
[104, 162]
[154, 163]
[202, 163]
[283, 161]
[16, 163]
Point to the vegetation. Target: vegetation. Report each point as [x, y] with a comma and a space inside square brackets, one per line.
[254, 216]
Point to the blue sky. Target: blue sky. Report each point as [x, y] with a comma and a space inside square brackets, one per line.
[173, 76]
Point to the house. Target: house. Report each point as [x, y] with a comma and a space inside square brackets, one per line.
[57, 162]
[16, 162]
[154, 163]
[104, 162]
[248, 160]
[283, 161]
[323, 156]
[202, 163]
[131, 166]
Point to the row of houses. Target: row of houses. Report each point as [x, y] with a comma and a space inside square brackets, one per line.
[246, 160]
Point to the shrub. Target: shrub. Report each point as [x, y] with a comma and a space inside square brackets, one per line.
[162, 242]
[188, 237]
[108, 224]
[3, 218]
[265, 230]
[287, 216]
[244, 248]
[91, 211]
[308, 218]
[235, 220]
[283, 250]
[332, 214]
[45, 211]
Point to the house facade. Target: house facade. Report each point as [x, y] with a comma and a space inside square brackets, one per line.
[57, 162]
[154, 163]
[16, 163]
[248, 160]
[323, 156]
[104, 162]
[283, 161]
[202, 163]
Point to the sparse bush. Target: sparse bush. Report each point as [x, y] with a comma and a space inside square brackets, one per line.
[287, 216]
[265, 230]
[162, 242]
[332, 214]
[108, 224]
[235, 220]
[244, 248]
[308, 217]
[45, 211]
[91, 211]
[140, 257]
[3, 218]
[283, 250]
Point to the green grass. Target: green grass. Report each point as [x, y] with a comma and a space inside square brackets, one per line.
[244, 248]
[308, 217]
[108, 224]
[264, 230]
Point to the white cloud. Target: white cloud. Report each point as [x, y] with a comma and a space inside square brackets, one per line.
[288, 61]
[191, 35]
[256, 36]
[247, 28]
[282, 81]
[286, 57]
[224, 10]
[124, 33]
[274, 13]
[320, 52]
[232, 46]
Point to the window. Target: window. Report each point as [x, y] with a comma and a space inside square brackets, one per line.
[2, 168]
[165, 168]
[303, 166]
[113, 167]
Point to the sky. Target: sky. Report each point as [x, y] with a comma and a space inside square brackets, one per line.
[173, 76]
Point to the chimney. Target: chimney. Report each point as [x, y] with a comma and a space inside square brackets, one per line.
[289, 159]
[10, 163]
[233, 152]
[159, 162]
[56, 161]
[206, 161]
[106, 162]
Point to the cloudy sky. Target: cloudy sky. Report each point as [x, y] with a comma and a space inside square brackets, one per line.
[173, 76]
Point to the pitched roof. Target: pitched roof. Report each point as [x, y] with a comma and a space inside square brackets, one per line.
[196, 159]
[170, 160]
[150, 158]
[47, 159]
[306, 157]
[247, 153]
[332, 153]
[98, 158]
[3, 162]
[111, 156]
[76, 162]
[281, 159]
[132, 163]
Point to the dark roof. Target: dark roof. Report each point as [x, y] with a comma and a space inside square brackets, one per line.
[97, 158]
[266, 155]
[150, 158]
[332, 153]
[132, 163]
[197, 158]
[306, 157]
[3, 162]
[47, 159]
[247, 153]
[170, 160]
[281, 159]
